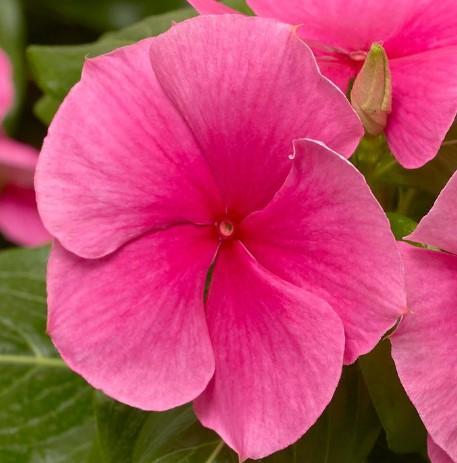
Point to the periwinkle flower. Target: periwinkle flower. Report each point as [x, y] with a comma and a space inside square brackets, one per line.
[197, 150]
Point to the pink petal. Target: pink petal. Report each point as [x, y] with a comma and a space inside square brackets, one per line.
[437, 228]
[17, 162]
[331, 22]
[279, 353]
[424, 105]
[247, 87]
[325, 232]
[133, 323]
[211, 7]
[19, 219]
[431, 25]
[340, 72]
[425, 344]
[119, 160]
[6, 85]
[437, 454]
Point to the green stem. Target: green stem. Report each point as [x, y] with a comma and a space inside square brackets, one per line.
[32, 360]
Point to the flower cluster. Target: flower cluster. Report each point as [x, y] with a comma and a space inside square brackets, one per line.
[214, 244]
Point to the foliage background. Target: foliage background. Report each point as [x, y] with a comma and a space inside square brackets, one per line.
[48, 414]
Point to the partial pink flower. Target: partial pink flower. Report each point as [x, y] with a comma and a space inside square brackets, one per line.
[19, 219]
[175, 156]
[425, 344]
[6, 85]
[421, 44]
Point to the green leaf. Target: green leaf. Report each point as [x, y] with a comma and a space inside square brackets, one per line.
[45, 410]
[239, 5]
[45, 108]
[57, 68]
[129, 435]
[404, 429]
[12, 41]
[345, 433]
[401, 225]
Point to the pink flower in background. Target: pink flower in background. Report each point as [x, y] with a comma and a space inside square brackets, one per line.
[420, 40]
[175, 155]
[19, 220]
[424, 347]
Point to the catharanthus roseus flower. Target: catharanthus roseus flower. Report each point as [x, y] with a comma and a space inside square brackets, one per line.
[19, 219]
[420, 40]
[177, 154]
[425, 344]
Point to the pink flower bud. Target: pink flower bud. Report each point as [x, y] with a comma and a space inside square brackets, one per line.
[371, 94]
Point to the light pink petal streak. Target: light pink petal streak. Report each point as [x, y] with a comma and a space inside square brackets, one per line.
[247, 87]
[133, 323]
[6, 85]
[424, 105]
[425, 344]
[19, 219]
[119, 160]
[325, 232]
[211, 7]
[332, 22]
[279, 353]
[437, 454]
[438, 227]
[17, 162]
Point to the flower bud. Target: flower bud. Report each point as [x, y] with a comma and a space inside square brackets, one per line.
[371, 94]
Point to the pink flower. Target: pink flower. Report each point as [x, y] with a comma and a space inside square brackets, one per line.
[174, 155]
[425, 344]
[19, 220]
[420, 39]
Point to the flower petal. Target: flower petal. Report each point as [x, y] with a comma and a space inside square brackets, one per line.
[211, 7]
[437, 228]
[425, 343]
[247, 87]
[119, 161]
[279, 354]
[19, 219]
[437, 454]
[325, 232]
[6, 85]
[17, 162]
[133, 323]
[424, 105]
[431, 25]
[331, 22]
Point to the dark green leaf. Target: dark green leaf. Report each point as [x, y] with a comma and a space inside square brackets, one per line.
[128, 435]
[101, 15]
[345, 433]
[404, 429]
[57, 68]
[45, 410]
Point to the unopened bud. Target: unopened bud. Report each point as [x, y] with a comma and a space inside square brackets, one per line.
[371, 93]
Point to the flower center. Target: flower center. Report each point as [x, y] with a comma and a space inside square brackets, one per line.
[226, 229]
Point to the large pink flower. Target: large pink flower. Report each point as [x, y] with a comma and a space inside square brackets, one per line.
[420, 39]
[425, 346]
[175, 155]
[19, 220]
